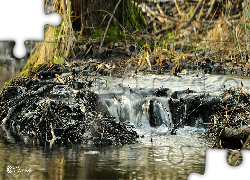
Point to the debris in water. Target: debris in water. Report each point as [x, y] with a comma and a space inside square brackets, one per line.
[59, 108]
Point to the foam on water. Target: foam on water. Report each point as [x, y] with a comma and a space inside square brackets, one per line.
[127, 99]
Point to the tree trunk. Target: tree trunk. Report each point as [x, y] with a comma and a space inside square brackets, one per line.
[90, 17]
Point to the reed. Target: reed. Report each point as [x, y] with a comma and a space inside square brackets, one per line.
[231, 35]
[58, 43]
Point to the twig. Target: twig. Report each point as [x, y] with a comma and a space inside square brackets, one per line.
[162, 20]
[197, 9]
[210, 10]
[70, 30]
[246, 142]
[159, 8]
[228, 22]
[59, 79]
[233, 160]
[156, 15]
[105, 34]
[168, 17]
[177, 7]
[175, 127]
[12, 110]
[54, 137]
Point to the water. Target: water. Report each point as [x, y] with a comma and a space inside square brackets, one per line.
[158, 155]
[160, 159]
[10, 68]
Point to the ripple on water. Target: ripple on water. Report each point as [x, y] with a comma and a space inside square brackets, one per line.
[91, 152]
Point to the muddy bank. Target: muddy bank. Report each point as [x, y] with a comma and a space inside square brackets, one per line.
[230, 124]
[127, 56]
[59, 104]
[59, 109]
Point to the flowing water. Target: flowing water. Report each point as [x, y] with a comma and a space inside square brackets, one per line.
[157, 155]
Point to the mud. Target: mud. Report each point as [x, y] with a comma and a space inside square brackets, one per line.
[59, 110]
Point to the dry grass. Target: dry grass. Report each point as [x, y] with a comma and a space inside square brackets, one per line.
[58, 43]
[228, 37]
[225, 35]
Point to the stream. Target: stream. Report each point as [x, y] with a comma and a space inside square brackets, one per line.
[157, 155]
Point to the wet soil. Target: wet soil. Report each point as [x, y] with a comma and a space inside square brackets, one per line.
[59, 109]
[55, 104]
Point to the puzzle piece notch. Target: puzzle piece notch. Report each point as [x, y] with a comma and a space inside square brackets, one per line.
[27, 24]
[218, 168]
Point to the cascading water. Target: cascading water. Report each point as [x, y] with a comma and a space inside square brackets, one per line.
[138, 110]
[150, 103]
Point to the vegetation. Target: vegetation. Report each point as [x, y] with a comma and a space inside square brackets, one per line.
[226, 35]
[60, 41]
[220, 31]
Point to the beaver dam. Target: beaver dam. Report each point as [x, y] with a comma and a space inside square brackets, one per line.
[75, 106]
[117, 126]
[65, 111]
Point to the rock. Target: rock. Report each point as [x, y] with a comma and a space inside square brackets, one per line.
[96, 54]
[161, 92]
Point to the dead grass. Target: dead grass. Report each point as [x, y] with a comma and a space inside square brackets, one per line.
[58, 42]
[227, 37]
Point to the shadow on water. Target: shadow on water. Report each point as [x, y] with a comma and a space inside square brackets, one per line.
[157, 160]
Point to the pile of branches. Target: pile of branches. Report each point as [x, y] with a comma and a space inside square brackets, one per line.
[58, 108]
[192, 17]
[229, 125]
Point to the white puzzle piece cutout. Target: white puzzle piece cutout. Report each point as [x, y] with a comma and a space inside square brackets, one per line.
[217, 167]
[23, 20]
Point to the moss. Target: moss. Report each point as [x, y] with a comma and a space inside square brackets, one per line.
[132, 17]
[28, 67]
[138, 40]
[7, 83]
[113, 34]
[98, 34]
[57, 60]
[38, 66]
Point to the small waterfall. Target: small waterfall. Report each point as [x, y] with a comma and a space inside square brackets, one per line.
[139, 111]
[198, 122]
[163, 114]
[185, 110]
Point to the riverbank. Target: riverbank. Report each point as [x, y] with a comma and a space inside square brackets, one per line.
[59, 109]
[74, 104]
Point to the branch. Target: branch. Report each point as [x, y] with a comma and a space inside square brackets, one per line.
[105, 34]
[197, 9]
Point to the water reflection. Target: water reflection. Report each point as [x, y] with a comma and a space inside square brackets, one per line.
[161, 159]
[166, 157]
[9, 69]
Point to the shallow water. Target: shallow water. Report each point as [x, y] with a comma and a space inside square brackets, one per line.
[10, 69]
[166, 157]
[158, 155]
